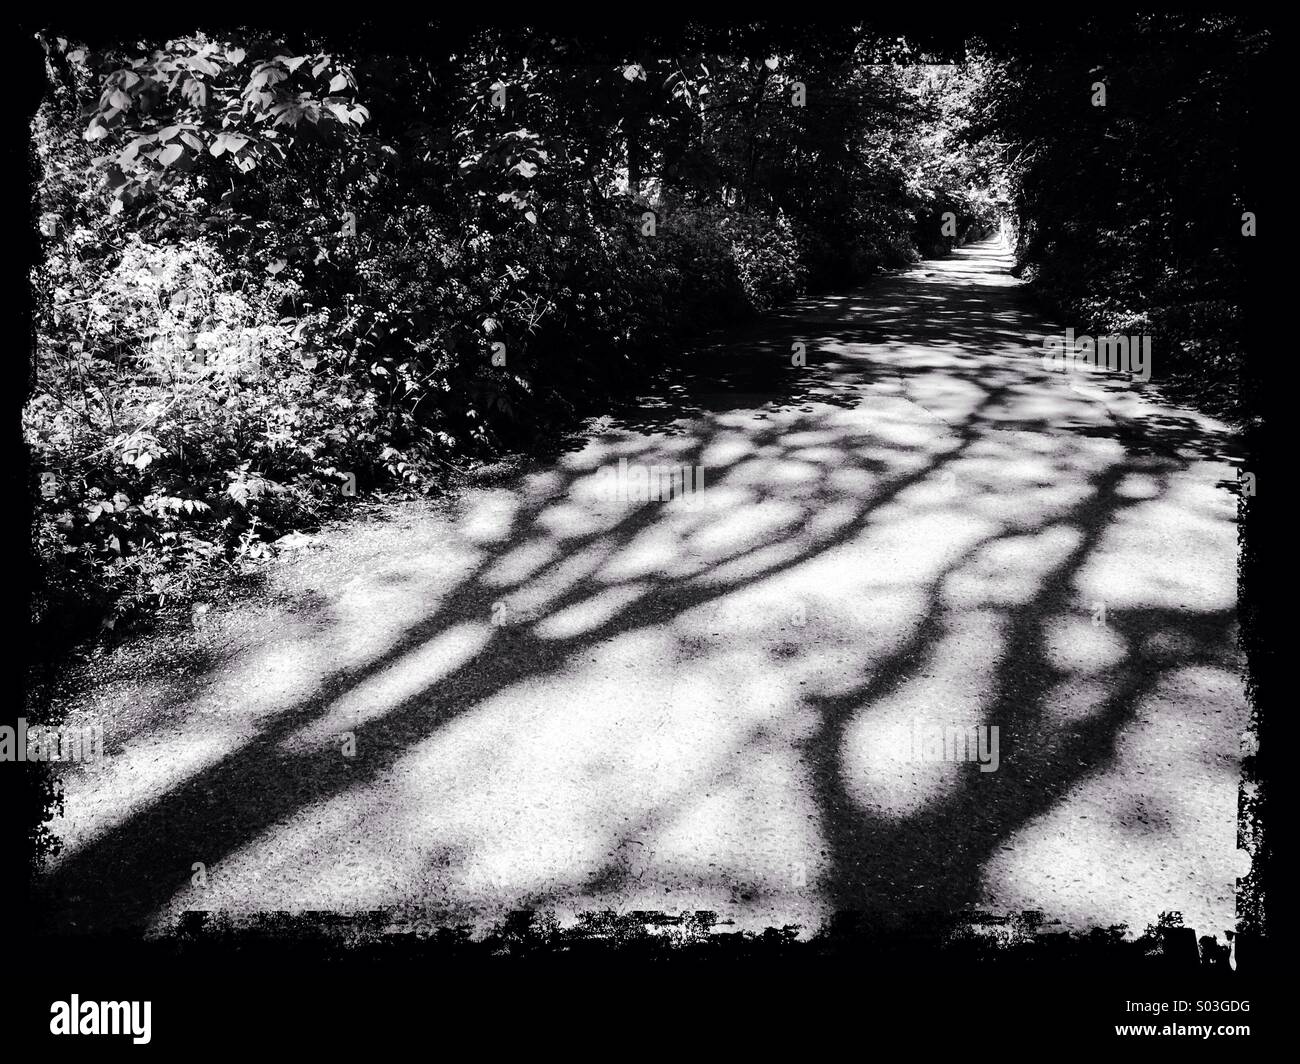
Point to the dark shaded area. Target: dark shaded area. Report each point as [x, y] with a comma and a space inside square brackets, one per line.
[1131, 212]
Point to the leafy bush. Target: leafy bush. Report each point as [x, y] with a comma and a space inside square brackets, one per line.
[271, 273]
[1145, 238]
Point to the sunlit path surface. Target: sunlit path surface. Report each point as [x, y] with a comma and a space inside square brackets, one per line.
[570, 702]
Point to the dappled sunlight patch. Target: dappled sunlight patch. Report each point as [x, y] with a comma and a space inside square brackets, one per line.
[854, 481]
[1078, 644]
[702, 509]
[752, 527]
[1134, 566]
[487, 517]
[591, 613]
[768, 475]
[940, 490]
[880, 616]
[521, 562]
[750, 564]
[1051, 405]
[264, 680]
[900, 430]
[1195, 711]
[534, 598]
[1140, 486]
[586, 514]
[832, 518]
[1012, 458]
[920, 543]
[766, 607]
[747, 835]
[911, 747]
[825, 456]
[835, 662]
[655, 549]
[1010, 570]
[502, 878]
[1204, 493]
[411, 674]
[537, 487]
[885, 785]
[726, 450]
[1072, 865]
[897, 465]
[949, 398]
[790, 474]
[367, 624]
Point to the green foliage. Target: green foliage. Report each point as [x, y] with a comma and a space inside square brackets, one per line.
[269, 269]
[194, 104]
[1128, 215]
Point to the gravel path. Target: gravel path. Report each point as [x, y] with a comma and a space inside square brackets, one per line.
[538, 696]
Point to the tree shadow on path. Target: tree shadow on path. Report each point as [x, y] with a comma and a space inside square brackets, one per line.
[945, 508]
